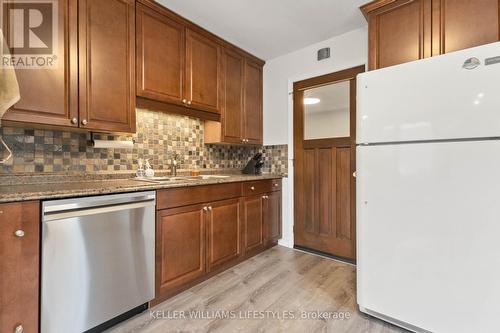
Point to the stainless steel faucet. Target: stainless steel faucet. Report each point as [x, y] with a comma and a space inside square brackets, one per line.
[173, 167]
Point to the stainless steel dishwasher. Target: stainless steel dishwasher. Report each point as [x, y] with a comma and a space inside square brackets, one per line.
[98, 260]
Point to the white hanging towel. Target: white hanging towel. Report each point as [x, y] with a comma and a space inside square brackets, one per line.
[9, 90]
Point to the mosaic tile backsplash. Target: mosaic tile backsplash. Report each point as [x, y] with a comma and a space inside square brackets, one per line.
[159, 137]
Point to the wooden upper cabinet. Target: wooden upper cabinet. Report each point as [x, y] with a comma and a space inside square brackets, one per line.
[107, 65]
[203, 74]
[466, 23]
[253, 103]
[406, 30]
[19, 266]
[398, 32]
[160, 56]
[233, 113]
[50, 96]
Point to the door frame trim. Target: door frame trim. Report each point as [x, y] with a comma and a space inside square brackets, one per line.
[297, 139]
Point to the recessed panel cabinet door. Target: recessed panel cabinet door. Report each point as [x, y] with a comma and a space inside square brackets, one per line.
[253, 103]
[224, 233]
[272, 216]
[253, 223]
[203, 74]
[466, 23]
[19, 266]
[232, 113]
[160, 56]
[107, 65]
[400, 32]
[180, 247]
[50, 96]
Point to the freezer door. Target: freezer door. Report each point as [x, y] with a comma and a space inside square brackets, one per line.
[434, 98]
[428, 234]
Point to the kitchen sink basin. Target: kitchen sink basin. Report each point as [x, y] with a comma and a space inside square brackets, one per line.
[167, 179]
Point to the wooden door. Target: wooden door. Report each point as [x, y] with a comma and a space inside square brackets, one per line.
[19, 266]
[203, 72]
[232, 111]
[465, 23]
[253, 103]
[399, 32]
[50, 96]
[107, 65]
[272, 216]
[253, 227]
[323, 168]
[180, 247]
[223, 233]
[160, 55]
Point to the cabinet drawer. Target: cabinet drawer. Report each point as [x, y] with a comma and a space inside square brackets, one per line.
[257, 187]
[185, 196]
[276, 185]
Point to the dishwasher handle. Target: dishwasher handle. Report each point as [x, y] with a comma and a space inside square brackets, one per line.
[47, 217]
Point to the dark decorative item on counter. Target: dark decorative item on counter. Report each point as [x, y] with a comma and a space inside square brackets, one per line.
[254, 166]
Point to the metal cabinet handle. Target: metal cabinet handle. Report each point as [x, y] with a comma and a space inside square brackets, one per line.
[184, 101]
[74, 121]
[354, 174]
[210, 208]
[84, 122]
[19, 329]
[252, 188]
[189, 102]
[19, 233]
[205, 208]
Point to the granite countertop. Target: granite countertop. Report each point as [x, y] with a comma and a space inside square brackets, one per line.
[72, 188]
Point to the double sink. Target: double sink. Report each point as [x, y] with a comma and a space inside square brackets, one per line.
[161, 180]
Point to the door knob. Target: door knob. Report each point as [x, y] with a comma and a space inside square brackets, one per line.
[74, 121]
[19, 329]
[19, 233]
[84, 122]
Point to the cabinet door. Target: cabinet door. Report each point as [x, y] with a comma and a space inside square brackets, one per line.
[50, 96]
[160, 56]
[232, 111]
[272, 216]
[203, 74]
[253, 103]
[224, 233]
[107, 65]
[466, 23]
[253, 223]
[400, 32]
[19, 266]
[180, 247]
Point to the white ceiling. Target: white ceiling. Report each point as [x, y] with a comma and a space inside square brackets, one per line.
[270, 28]
[333, 97]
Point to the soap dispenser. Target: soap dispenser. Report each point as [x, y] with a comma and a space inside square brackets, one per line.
[140, 169]
[149, 171]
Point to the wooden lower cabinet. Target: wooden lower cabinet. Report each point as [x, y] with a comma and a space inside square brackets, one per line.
[253, 222]
[223, 233]
[19, 266]
[180, 247]
[272, 216]
[199, 240]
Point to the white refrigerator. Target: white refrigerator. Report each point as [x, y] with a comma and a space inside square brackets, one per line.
[428, 193]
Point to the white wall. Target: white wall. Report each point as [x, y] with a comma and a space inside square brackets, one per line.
[347, 50]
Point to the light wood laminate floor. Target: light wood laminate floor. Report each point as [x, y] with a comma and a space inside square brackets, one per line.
[278, 284]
